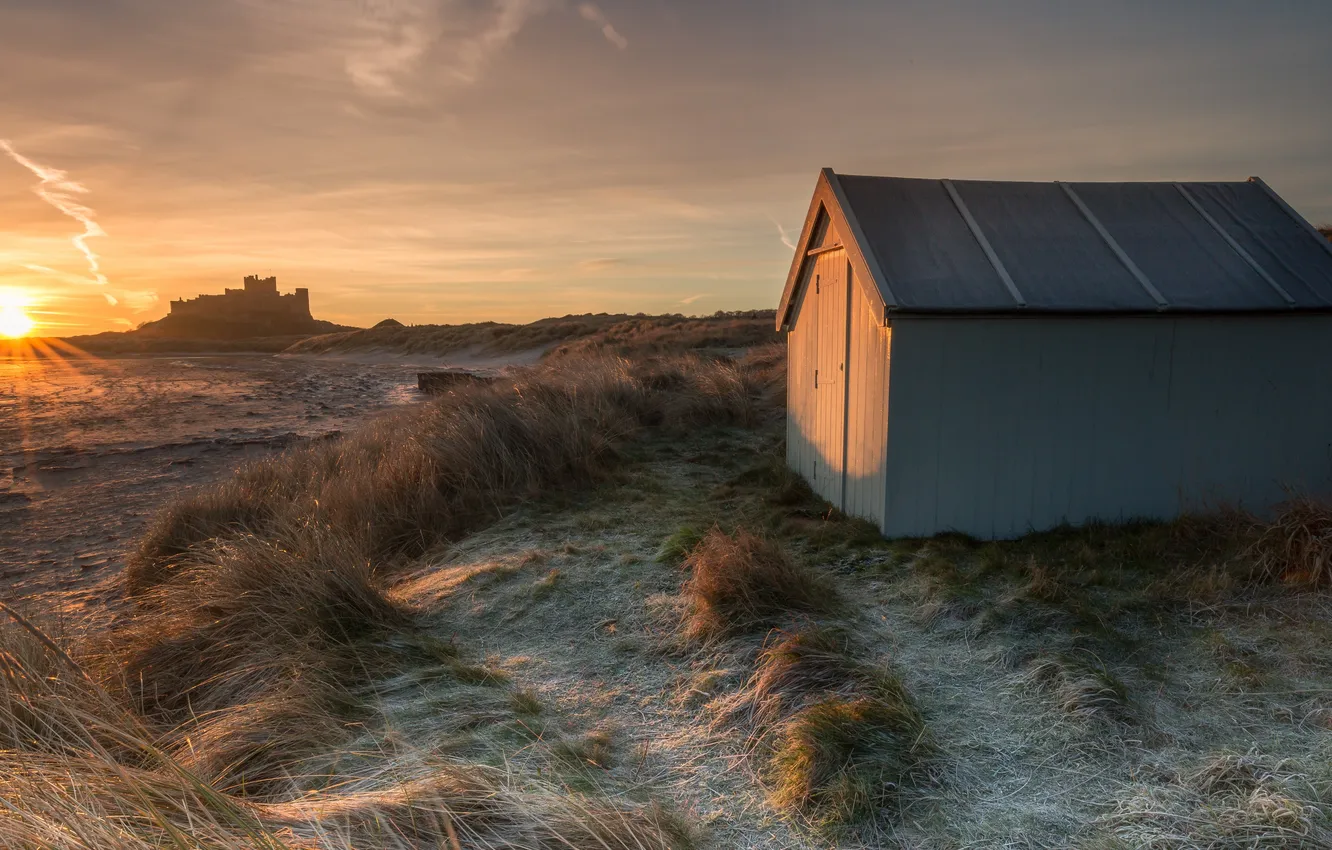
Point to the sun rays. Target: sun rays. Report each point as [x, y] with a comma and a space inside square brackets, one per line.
[23, 357]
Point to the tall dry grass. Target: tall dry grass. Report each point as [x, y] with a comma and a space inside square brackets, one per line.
[439, 470]
[260, 603]
[249, 660]
[842, 738]
[80, 770]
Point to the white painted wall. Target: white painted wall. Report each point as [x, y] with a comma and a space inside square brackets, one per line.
[1002, 426]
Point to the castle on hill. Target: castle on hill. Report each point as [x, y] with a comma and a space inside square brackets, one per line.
[258, 301]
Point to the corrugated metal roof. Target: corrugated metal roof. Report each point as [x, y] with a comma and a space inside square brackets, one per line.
[944, 246]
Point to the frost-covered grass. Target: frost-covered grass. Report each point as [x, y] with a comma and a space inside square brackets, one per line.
[591, 608]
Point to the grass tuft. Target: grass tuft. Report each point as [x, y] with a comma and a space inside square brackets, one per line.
[842, 739]
[595, 749]
[1228, 801]
[250, 655]
[526, 702]
[676, 548]
[1296, 547]
[1082, 687]
[844, 759]
[809, 661]
[743, 581]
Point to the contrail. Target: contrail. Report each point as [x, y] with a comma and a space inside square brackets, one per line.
[781, 233]
[59, 191]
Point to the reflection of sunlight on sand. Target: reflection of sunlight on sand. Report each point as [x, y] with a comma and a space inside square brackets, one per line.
[30, 353]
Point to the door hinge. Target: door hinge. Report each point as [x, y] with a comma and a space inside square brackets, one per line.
[816, 284]
[816, 379]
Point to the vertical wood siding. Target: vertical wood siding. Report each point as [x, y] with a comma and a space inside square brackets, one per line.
[1002, 426]
[867, 410]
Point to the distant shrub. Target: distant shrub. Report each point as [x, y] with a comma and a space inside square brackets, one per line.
[560, 337]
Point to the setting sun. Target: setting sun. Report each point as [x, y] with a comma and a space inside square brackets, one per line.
[14, 320]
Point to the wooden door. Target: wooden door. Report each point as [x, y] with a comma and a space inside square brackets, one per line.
[832, 291]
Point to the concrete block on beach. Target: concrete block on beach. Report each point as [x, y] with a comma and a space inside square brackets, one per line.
[448, 379]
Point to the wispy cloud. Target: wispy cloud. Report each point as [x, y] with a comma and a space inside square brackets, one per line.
[598, 264]
[510, 16]
[691, 299]
[395, 37]
[593, 14]
[399, 42]
[60, 192]
[398, 38]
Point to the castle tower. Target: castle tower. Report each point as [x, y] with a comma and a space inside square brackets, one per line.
[256, 285]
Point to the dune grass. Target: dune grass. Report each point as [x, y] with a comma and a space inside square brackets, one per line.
[253, 655]
[837, 738]
[260, 603]
[80, 770]
[250, 670]
[437, 471]
[573, 336]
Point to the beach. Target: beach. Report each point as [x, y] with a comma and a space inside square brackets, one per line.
[91, 448]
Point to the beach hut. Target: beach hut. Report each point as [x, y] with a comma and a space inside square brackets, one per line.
[999, 357]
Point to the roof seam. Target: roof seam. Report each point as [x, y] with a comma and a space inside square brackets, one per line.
[974, 226]
[1290, 211]
[1238, 248]
[1258, 238]
[1120, 254]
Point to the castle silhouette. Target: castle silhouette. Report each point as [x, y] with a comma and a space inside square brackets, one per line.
[257, 301]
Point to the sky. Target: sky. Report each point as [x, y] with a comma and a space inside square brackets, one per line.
[460, 160]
